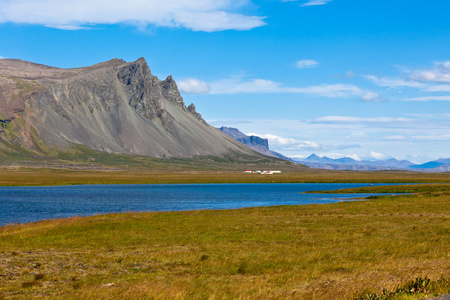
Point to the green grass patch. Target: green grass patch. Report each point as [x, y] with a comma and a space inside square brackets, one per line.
[82, 157]
[25, 86]
[410, 188]
[413, 289]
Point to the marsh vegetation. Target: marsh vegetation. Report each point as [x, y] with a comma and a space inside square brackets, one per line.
[336, 251]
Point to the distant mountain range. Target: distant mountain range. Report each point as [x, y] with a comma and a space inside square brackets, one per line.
[347, 163]
[255, 142]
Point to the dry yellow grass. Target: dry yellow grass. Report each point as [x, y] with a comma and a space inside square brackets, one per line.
[335, 251]
[22, 176]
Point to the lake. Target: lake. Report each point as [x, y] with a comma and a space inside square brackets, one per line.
[29, 204]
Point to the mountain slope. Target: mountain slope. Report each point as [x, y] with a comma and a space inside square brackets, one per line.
[255, 142]
[114, 107]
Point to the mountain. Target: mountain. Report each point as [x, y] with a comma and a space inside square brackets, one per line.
[347, 163]
[393, 163]
[255, 142]
[444, 161]
[113, 107]
[440, 165]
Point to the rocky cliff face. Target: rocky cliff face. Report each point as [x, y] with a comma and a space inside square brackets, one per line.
[113, 106]
[255, 142]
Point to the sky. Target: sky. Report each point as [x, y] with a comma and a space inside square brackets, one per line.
[339, 78]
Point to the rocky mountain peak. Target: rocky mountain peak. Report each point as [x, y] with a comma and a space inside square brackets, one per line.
[143, 90]
[141, 60]
[171, 93]
[112, 106]
[191, 108]
[107, 64]
[313, 156]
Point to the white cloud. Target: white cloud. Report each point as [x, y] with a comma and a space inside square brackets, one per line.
[237, 86]
[440, 73]
[67, 27]
[287, 143]
[438, 88]
[433, 79]
[358, 134]
[1, 57]
[316, 2]
[444, 137]
[331, 90]
[393, 82]
[280, 143]
[377, 155]
[306, 63]
[198, 15]
[298, 156]
[371, 97]
[354, 156]
[425, 133]
[353, 120]
[193, 86]
[429, 98]
[395, 138]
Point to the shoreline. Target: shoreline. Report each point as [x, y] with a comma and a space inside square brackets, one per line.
[88, 200]
[336, 251]
[51, 177]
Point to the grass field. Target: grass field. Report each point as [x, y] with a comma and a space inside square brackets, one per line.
[345, 250]
[291, 174]
[422, 188]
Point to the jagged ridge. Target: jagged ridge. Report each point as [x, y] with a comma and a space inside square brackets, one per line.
[113, 106]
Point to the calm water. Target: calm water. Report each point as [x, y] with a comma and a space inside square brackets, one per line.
[28, 204]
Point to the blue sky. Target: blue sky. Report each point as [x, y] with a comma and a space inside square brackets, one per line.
[365, 79]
